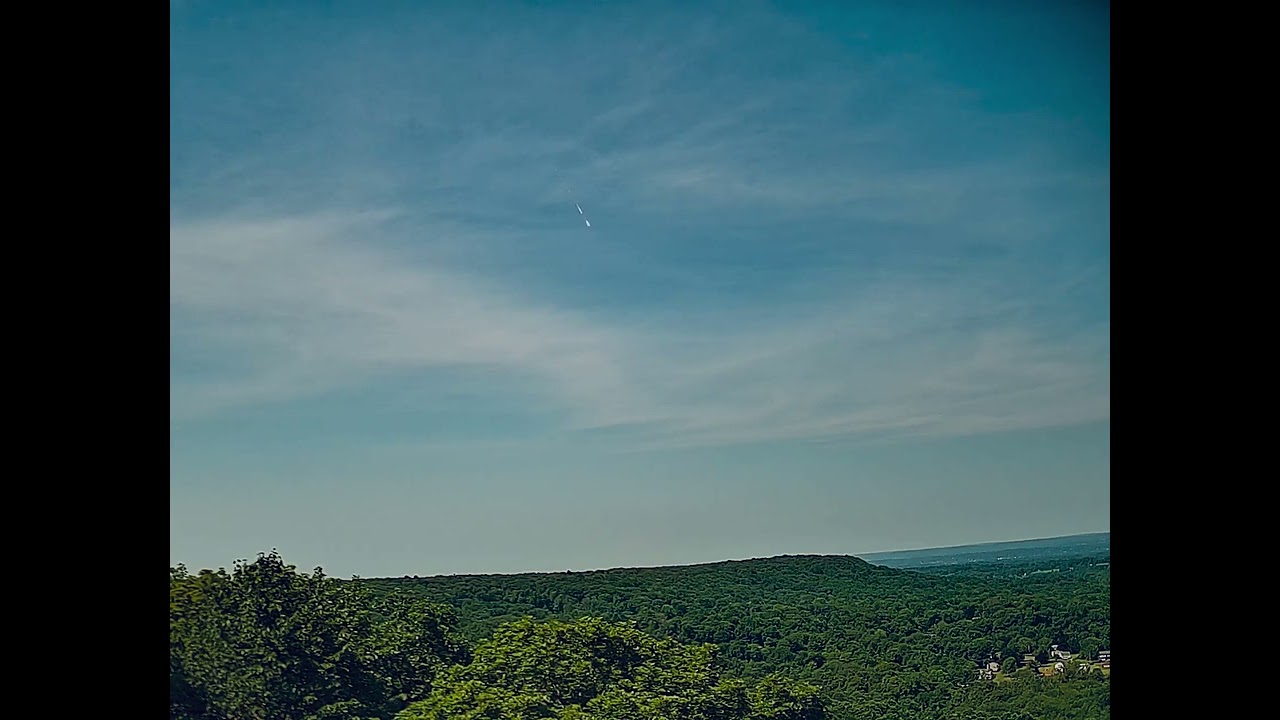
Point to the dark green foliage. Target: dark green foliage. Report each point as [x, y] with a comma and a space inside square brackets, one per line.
[1081, 696]
[265, 641]
[749, 640]
[880, 643]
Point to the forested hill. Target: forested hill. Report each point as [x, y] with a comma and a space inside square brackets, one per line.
[785, 574]
[785, 638]
[880, 642]
[681, 600]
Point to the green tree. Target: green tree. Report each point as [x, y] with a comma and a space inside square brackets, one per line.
[594, 670]
[780, 698]
[265, 641]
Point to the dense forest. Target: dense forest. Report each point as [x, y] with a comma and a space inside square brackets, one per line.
[786, 637]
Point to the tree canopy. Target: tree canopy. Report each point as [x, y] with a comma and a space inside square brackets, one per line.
[265, 641]
[879, 642]
[789, 638]
[594, 670]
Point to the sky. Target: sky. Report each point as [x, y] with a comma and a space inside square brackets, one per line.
[846, 287]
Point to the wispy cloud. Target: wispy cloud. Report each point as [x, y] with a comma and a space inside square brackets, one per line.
[311, 305]
[279, 295]
[317, 304]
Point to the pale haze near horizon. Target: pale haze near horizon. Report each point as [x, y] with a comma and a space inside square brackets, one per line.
[846, 287]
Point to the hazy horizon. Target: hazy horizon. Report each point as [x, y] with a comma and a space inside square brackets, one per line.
[846, 288]
[860, 556]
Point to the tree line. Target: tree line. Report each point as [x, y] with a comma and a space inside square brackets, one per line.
[265, 642]
[790, 637]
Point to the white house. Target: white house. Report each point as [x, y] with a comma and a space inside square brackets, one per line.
[989, 671]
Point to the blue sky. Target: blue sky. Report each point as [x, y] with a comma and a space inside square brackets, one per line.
[846, 287]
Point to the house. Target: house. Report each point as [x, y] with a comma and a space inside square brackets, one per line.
[988, 672]
[1059, 662]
